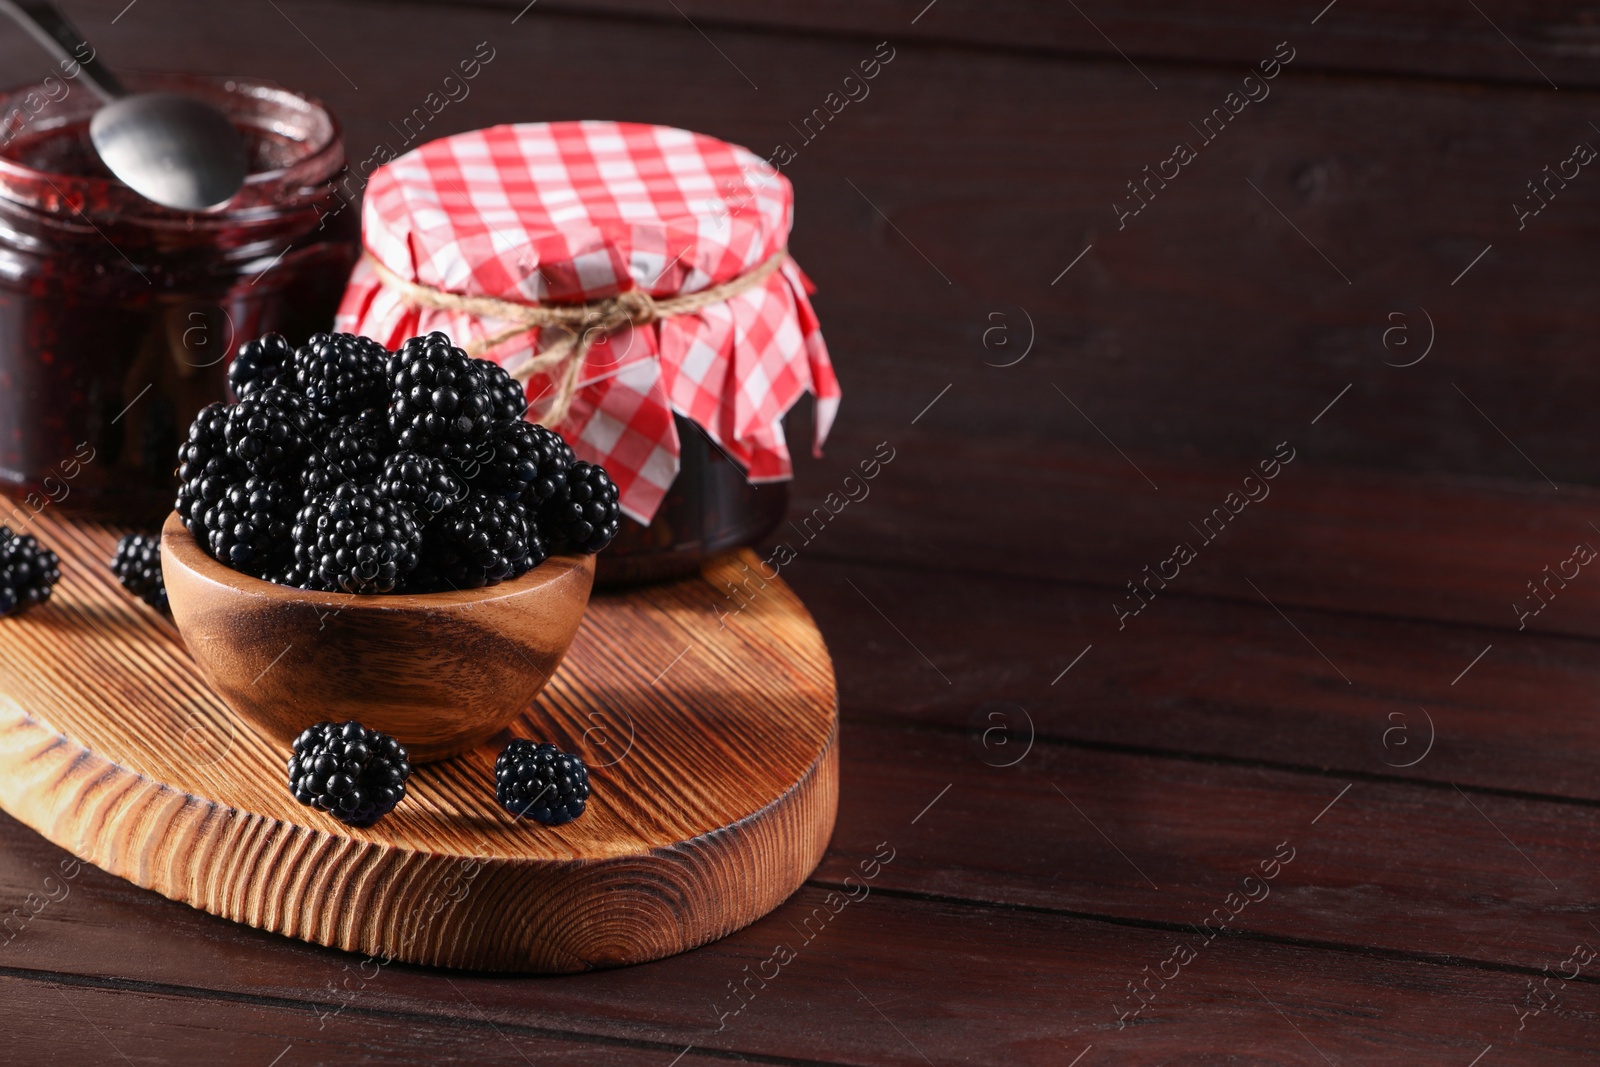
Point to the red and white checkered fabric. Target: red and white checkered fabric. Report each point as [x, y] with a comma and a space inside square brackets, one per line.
[571, 212]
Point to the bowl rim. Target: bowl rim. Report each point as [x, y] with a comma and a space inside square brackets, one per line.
[179, 545]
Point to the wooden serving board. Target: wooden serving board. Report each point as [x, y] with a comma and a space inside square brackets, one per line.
[712, 743]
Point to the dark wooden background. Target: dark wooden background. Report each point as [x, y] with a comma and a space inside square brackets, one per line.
[1342, 673]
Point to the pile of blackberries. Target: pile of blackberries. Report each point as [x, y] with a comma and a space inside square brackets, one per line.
[344, 467]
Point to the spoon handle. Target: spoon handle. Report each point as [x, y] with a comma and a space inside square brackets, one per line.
[50, 28]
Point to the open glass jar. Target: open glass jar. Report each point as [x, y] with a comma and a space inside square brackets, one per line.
[118, 317]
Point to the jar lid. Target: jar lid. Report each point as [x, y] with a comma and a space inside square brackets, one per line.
[576, 213]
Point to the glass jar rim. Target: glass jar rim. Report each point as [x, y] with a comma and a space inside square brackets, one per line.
[319, 156]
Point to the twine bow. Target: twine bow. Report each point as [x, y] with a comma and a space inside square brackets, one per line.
[583, 323]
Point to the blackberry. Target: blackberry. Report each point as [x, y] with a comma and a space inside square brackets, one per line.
[249, 528]
[137, 566]
[421, 484]
[28, 572]
[205, 470]
[355, 774]
[342, 373]
[439, 401]
[541, 782]
[291, 572]
[350, 449]
[258, 364]
[411, 349]
[509, 396]
[207, 440]
[483, 540]
[526, 461]
[355, 541]
[584, 516]
[270, 429]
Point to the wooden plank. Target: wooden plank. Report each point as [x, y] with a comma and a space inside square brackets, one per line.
[1409, 37]
[55, 1021]
[1433, 872]
[976, 985]
[1449, 549]
[994, 172]
[1428, 873]
[1230, 680]
[1190, 673]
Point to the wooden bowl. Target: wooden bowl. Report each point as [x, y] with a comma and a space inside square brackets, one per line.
[442, 672]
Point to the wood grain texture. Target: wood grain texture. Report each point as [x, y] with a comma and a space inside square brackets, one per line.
[1192, 331]
[1427, 876]
[1003, 986]
[1404, 868]
[1219, 680]
[1457, 549]
[1402, 582]
[1426, 37]
[1401, 869]
[161, 1027]
[1212, 331]
[443, 673]
[712, 752]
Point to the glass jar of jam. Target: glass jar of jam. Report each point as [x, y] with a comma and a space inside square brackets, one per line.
[710, 508]
[118, 317]
[685, 233]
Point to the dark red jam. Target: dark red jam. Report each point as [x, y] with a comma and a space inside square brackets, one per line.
[710, 508]
[118, 317]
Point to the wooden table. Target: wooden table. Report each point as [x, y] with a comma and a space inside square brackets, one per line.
[1329, 796]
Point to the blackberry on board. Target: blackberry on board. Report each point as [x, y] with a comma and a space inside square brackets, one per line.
[351, 448]
[355, 541]
[270, 430]
[439, 402]
[539, 781]
[483, 540]
[137, 565]
[28, 572]
[584, 516]
[509, 396]
[525, 461]
[355, 774]
[421, 484]
[258, 364]
[342, 373]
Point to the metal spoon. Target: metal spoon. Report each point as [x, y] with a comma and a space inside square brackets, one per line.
[169, 148]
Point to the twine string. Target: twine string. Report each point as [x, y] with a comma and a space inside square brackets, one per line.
[582, 324]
